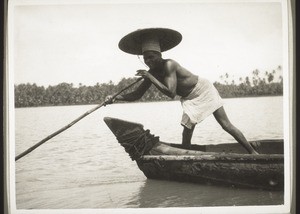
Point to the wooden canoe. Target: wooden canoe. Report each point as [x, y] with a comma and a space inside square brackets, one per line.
[223, 164]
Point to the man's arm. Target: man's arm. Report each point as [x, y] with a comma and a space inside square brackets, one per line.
[137, 94]
[170, 79]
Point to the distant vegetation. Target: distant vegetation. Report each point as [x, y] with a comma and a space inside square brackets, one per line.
[29, 95]
[259, 84]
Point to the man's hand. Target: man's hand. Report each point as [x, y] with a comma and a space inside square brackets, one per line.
[142, 73]
[109, 100]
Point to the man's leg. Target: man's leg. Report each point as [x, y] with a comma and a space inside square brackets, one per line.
[223, 120]
[187, 136]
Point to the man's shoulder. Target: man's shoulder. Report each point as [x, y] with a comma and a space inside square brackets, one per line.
[170, 63]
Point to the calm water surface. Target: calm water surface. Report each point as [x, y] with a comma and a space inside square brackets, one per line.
[85, 167]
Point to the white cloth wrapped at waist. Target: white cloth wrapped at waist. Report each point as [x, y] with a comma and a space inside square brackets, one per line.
[203, 100]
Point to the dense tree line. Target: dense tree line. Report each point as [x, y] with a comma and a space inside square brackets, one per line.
[259, 84]
[28, 95]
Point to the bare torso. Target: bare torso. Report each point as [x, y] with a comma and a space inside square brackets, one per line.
[185, 80]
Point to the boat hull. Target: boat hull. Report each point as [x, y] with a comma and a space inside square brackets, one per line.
[225, 164]
[263, 172]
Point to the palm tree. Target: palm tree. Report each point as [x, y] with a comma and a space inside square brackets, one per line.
[270, 77]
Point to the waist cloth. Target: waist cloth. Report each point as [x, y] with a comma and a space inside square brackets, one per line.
[203, 100]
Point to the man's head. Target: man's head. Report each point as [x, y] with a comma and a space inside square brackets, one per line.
[152, 58]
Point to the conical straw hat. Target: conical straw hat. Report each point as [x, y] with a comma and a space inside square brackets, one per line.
[157, 39]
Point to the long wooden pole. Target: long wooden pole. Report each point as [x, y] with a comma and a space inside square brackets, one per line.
[73, 122]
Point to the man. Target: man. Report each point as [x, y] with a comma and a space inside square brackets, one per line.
[199, 98]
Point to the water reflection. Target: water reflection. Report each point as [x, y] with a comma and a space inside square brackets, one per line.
[157, 193]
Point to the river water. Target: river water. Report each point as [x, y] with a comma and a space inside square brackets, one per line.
[85, 167]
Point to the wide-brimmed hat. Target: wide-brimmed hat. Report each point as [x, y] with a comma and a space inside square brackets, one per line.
[157, 39]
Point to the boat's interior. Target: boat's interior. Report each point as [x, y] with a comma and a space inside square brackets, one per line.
[274, 146]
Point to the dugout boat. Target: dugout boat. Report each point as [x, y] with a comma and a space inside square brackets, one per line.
[221, 164]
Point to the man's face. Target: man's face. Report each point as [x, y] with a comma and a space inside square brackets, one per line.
[152, 58]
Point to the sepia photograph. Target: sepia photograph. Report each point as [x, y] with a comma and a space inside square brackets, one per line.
[149, 107]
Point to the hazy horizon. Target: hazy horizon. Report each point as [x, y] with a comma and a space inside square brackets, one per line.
[78, 43]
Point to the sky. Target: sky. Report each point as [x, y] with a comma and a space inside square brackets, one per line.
[78, 42]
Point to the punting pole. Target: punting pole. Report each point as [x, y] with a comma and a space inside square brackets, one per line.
[73, 122]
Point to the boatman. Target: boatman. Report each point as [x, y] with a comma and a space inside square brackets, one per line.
[199, 97]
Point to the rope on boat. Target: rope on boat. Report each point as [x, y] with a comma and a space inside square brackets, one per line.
[138, 143]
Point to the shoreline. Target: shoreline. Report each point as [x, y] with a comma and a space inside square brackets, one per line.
[168, 100]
